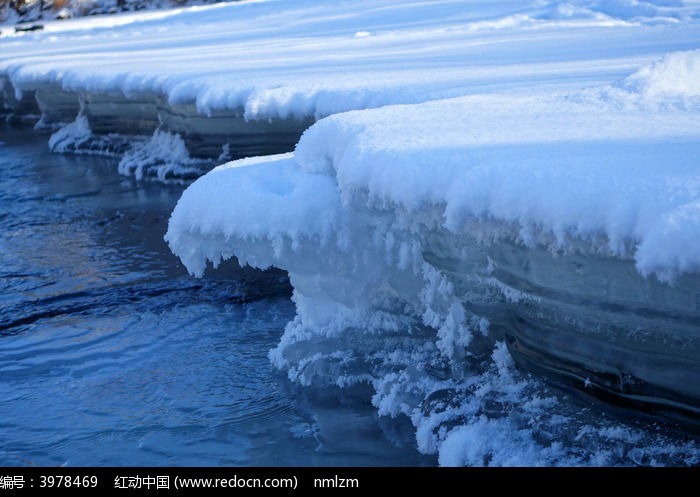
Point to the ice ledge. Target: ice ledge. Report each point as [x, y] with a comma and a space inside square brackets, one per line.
[565, 225]
[152, 136]
[363, 277]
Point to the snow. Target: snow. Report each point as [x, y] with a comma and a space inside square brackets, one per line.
[446, 133]
[598, 164]
[606, 171]
[306, 58]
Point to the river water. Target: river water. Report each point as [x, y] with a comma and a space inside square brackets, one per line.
[110, 354]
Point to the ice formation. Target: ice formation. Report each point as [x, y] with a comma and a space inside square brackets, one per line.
[478, 186]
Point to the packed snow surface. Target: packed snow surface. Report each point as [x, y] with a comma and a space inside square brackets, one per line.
[277, 59]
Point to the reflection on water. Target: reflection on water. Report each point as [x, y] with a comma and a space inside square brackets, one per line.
[110, 354]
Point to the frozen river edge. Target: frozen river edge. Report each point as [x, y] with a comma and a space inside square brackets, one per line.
[582, 318]
[593, 323]
[152, 136]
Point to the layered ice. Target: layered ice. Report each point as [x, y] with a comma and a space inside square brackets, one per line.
[559, 230]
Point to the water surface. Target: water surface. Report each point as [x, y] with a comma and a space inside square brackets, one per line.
[110, 354]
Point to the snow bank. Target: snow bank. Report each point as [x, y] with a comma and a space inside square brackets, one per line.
[289, 64]
[311, 58]
[614, 170]
[385, 220]
[677, 75]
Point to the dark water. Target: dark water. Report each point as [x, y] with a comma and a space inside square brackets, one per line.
[110, 354]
